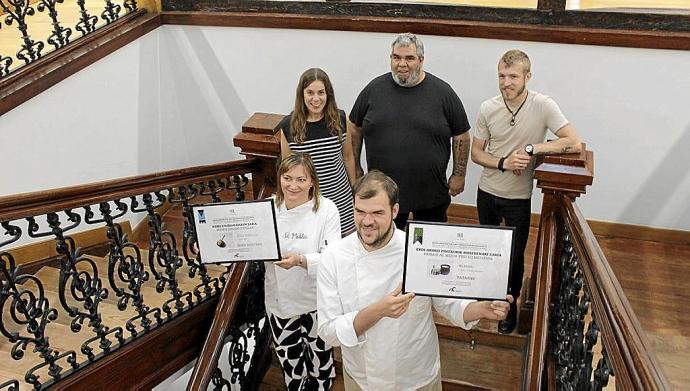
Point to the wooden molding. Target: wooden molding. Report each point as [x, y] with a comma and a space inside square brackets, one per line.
[46, 249]
[504, 30]
[600, 228]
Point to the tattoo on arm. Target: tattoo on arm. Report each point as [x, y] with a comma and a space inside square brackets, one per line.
[565, 149]
[461, 151]
[356, 147]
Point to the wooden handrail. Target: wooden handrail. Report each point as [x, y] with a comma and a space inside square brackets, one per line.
[208, 358]
[538, 344]
[633, 360]
[18, 206]
[562, 179]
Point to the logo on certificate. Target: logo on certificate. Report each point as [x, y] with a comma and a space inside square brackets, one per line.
[202, 216]
[418, 235]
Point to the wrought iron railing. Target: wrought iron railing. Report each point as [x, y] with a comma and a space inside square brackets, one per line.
[250, 353]
[56, 24]
[584, 334]
[106, 302]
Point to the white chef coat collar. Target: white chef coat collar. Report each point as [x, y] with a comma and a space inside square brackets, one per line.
[309, 204]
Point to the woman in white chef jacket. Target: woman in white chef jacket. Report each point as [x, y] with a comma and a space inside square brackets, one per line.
[307, 223]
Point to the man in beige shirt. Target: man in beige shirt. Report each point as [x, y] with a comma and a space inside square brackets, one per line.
[511, 128]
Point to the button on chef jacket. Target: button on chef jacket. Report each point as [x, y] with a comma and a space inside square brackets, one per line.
[395, 354]
[292, 292]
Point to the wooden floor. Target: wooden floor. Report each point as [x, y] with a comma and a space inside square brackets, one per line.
[654, 277]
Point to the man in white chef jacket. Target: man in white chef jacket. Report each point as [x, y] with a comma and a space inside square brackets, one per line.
[388, 340]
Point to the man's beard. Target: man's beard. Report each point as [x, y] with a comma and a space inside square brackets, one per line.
[411, 80]
[504, 92]
[378, 241]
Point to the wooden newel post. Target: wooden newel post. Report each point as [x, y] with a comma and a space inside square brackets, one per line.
[258, 140]
[556, 175]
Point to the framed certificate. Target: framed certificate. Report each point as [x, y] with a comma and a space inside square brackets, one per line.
[457, 261]
[237, 231]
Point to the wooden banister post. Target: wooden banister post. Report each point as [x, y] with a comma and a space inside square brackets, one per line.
[556, 175]
[259, 140]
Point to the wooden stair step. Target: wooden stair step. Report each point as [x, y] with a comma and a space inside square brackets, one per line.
[496, 362]
[484, 367]
[151, 297]
[60, 338]
[485, 333]
[6, 374]
[184, 282]
[111, 315]
[14, 369]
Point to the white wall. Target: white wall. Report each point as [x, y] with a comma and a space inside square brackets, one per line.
[73, 132]
[629, 105]
[90, 127]
[177, 96]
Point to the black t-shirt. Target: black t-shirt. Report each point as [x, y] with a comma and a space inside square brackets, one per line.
[407, 132]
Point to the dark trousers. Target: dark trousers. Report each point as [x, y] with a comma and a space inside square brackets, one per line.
[515, 213]
[435, 214]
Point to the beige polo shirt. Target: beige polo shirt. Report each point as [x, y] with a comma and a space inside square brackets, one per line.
[539, 114]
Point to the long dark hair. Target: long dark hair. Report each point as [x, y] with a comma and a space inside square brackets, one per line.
[298, 122]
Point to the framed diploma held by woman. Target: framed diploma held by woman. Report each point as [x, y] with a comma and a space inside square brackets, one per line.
[236, 231]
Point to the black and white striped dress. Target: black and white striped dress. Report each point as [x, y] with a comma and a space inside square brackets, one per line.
[327, 154]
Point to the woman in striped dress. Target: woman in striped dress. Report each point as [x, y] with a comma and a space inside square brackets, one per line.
[316, 127]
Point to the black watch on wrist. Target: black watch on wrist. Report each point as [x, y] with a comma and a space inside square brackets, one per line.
[529, 148]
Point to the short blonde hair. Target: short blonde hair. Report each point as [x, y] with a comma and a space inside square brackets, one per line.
[515, 56]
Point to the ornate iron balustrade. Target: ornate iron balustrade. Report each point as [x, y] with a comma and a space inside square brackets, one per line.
[258, 139]
[35, 310]
[584, 334]
[65, 27]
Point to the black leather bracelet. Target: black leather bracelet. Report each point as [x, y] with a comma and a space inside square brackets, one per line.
[500, 164]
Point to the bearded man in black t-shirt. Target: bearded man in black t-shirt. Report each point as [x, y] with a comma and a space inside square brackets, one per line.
[406, 119]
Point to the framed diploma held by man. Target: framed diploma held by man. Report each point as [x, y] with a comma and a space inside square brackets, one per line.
[457, 261]
[236, 231]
